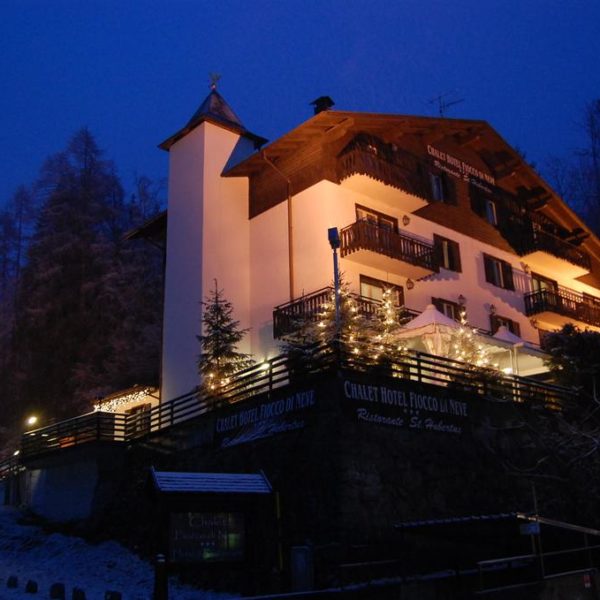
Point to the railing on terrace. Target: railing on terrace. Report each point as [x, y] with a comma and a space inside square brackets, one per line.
[527, 240]
[91, 427]
[563, 301]
[363, 235]
[278, 372]
[288, 317]
[379, 162]
[10, 466]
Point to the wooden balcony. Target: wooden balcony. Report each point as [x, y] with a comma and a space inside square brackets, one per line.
[372, 172]
[545, 252]
[384, 249]
[555, 308]
[287, 317]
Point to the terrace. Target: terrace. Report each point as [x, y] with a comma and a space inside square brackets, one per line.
[260, 381]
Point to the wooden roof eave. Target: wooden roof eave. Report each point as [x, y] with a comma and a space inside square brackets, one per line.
[327, 121]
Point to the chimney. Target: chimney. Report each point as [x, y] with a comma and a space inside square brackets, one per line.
[322, 103]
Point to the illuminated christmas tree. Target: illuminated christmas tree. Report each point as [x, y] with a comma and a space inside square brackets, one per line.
[219, 358]
[385, 324]
[468, 347]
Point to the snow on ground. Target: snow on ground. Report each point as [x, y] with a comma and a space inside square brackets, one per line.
[30, 553]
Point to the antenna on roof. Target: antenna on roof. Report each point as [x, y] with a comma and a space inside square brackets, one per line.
[443, 104]
[214, 79]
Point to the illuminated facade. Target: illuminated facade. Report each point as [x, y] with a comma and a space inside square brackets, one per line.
[443, 210]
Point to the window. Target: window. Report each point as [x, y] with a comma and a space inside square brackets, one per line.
[498, 272]
[437, 188]
[442, 188]
[376, 218]
[373, 290]
[539, 283]
[490, 212]
[447, 307]
[496, 321]
[447, 252]
[484, 205]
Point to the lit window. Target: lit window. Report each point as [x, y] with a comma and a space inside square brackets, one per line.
[373, 290]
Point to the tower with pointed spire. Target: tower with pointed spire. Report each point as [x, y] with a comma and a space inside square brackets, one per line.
[207, 229]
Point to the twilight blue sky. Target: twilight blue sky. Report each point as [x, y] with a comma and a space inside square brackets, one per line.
[135, 71]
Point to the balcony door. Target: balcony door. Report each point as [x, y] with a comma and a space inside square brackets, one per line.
[373, 289]
[545, 292]
[380, 230]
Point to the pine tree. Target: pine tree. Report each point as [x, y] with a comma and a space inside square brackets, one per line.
[468, 347]
[88, 318]
[386, 323]
[219, 358]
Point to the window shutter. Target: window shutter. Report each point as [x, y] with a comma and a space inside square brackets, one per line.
[493, 324]
[507, 275]
[449, 189]
[489, 269]
[516, 328]
[437, 302]
[455, 253]
[477, 200]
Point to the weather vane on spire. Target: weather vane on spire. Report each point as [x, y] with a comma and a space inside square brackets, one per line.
[214, 79]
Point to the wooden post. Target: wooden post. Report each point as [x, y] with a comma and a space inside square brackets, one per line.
[161, 584]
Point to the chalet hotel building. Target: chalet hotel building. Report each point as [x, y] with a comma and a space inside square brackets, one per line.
[358, 461]
[443, 210]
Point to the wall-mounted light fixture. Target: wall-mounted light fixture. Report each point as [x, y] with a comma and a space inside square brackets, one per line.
[526, 268]
[533, 322]
[492, 309]
[410, 284]
[405, 220]
[462, 300]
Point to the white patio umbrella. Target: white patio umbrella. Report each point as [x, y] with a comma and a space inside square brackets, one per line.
[525, 358]
[433, 328]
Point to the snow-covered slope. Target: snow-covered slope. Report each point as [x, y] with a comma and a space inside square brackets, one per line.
[31, 554]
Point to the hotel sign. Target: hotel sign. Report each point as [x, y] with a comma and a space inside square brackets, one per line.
[206, 537]
[407, 407]
[457, 167]
[244, 423]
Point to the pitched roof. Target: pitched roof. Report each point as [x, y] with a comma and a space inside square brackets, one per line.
[216, 110]
[210, 483]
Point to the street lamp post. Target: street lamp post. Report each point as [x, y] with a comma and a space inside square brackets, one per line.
[334, 241]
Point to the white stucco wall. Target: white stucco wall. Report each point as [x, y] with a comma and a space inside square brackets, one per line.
[207, 239]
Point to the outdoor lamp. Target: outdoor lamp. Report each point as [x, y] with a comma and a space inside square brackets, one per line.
[334, 237]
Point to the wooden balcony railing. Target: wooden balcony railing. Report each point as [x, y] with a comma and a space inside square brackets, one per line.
[381, 165]
[277, 373]
[563, 301]
[363, 235]
[288, 317]
[526, 240]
